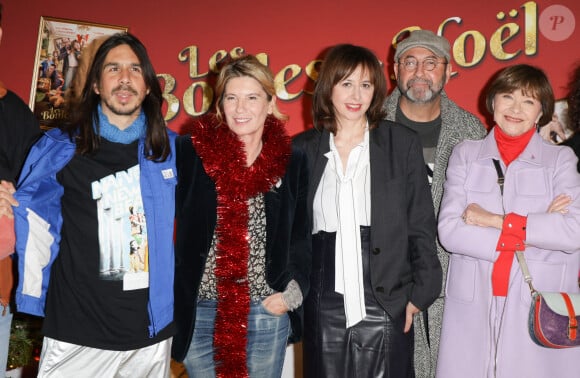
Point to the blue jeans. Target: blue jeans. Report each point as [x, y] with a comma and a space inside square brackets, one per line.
[5, 323]
[265, 350]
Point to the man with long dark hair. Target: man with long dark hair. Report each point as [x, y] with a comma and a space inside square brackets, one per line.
[79, 190]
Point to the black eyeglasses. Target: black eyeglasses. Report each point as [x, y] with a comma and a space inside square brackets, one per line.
[411, 64]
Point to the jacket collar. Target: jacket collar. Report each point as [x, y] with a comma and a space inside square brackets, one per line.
[317, 151]
[532, 154]
[323, 147]
[58, 136]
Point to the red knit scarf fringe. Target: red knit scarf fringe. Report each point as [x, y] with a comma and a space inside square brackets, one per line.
[224, 160]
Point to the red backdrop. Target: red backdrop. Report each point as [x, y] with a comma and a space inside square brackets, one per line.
[185, 38]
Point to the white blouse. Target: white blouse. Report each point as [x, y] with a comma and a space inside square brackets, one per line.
[342, 203]
[325, 207]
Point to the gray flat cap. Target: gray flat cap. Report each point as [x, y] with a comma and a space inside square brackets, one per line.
[426, 39]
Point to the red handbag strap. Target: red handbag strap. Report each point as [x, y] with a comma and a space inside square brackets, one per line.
[572, 324]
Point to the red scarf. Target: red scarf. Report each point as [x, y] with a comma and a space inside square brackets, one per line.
[224, 160]
[511, 147]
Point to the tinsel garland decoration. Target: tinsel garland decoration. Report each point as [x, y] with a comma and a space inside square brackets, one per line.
[224, 160]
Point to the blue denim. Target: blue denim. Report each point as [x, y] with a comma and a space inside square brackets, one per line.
[266, 347]
[5, 323]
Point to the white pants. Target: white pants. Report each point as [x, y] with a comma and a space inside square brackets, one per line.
[59, 359]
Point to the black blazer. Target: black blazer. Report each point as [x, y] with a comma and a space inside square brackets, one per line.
[404, 264]
[288, 236]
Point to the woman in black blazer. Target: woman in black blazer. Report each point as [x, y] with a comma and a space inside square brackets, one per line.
[243, 245]
[374, 257]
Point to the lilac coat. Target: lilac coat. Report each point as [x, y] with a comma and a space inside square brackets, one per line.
[486, 336]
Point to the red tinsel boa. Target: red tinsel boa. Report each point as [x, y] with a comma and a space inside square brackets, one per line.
[224, 160]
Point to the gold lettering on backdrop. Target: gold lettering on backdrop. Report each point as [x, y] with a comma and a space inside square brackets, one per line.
[237, 52]
[442, 26]
[189, 97]
[198, 97]
[497, 41]
[190, 54]
[172, 101]
[285, 77]
[216, 59]
[398, 35]
[459, 48]
[263, 58]
[203, 91]
[531, 27]
[311, 71]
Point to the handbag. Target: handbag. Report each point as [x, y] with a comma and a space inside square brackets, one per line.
[554, 316]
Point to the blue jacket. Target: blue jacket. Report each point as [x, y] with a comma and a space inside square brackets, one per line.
[38, 221]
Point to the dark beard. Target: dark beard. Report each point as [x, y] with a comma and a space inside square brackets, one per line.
[119, 111]
[122, 112]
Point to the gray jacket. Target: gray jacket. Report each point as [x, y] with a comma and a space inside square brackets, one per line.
[456, 125]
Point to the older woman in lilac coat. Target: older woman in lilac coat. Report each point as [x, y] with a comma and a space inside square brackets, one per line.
[485, 332]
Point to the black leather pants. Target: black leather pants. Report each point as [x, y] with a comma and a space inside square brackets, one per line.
[375, 347]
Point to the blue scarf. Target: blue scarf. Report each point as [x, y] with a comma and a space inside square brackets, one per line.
[112, 133]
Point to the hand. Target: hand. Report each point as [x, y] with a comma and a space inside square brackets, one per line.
[275, 304]
[553, 131]
[477, 216]
[560, 204]
[7, 199]
[409, 312]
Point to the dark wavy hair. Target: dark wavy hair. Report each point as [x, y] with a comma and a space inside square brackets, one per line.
[85, 114]
[339, 63]
[573, 100]
[531, 80]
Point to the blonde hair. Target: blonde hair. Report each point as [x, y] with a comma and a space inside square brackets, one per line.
[246, 66]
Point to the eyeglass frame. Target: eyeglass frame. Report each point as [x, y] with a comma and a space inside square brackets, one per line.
[435, 62]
